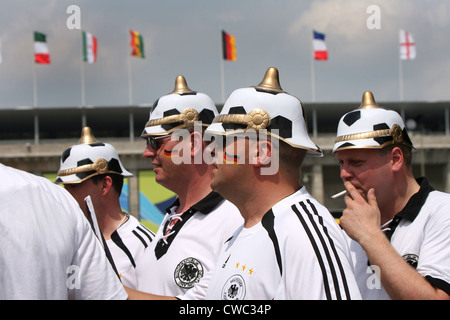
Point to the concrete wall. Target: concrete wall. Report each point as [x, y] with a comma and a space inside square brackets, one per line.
[321, 176]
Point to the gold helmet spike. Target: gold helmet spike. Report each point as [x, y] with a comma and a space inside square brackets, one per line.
[86, 136]
[271, 81]
[181, 86]
[368, 101]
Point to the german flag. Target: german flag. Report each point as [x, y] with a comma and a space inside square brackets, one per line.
[170, 154]
[230, 159]
[228, 46]
[137, 44]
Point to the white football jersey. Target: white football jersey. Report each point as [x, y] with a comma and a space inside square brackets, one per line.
[48, 249]
[297, 251]
[127, 246]
[420, 234]
[179, 257]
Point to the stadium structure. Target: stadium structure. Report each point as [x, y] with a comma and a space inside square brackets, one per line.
[32, 139]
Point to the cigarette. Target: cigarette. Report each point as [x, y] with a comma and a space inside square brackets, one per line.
[340, 194]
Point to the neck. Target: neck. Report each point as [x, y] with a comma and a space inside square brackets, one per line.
[110, 219]
[407, 187]
[259, 199]
[194, 190]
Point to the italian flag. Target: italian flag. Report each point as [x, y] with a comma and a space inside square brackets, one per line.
[41, 53]
[89, 47]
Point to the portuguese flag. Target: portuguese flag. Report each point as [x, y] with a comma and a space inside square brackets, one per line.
[41, 53]
[228, 46]
[89, 47]
[137, 44]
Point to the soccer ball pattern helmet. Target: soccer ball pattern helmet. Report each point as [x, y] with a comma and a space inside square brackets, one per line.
[370, 127]
[179, 109]
[266, 106]
[87, 159]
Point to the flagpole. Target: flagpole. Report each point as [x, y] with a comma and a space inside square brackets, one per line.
[222, 79]
[400, 78]
[313, 81]
[222, 67]
[35, 105]
[130, 100]
[35, 96]
[130, 83]
[313, 77]
[83, 92]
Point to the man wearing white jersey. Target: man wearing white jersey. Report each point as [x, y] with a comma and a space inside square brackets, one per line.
[290, 246]
[399, 225]
[200, 221]
[93, 168]
[48, 249]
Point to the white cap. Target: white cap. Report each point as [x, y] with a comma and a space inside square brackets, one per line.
[370, 127]
[87, 159]
[266, 106]
[179, 109]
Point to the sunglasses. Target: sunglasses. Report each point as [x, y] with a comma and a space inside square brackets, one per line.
[154, 143]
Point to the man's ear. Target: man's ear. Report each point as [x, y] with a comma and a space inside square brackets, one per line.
[262, 154]
[196, 143]
[106, 184]
[397, 159]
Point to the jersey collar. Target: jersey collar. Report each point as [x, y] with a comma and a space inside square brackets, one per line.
[416, 202]
[413, 207]
[205, 206]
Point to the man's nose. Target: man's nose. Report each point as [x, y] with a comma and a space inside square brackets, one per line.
[346, 174]
[149, 152]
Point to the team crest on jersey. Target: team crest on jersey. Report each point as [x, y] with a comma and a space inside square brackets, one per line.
[188, 272]
[234, 288]
[412, 259]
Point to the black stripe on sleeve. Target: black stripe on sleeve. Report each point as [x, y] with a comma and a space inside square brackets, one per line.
[319, 233]
[333, 248]
[316, 250]
[438, 283]
[150, 235]
[140, 238]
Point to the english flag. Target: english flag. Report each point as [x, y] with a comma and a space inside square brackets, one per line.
[320, 48]
[407, 46]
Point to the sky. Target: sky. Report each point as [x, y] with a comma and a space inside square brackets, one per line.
[182, 37]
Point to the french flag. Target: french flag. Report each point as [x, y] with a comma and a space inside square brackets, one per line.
[320, 48]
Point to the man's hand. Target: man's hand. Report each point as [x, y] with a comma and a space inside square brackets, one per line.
[361, 218]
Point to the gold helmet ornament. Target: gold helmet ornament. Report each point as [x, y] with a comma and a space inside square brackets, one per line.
[179, 109]
[87, 159]
[370, 127]
[266, 106]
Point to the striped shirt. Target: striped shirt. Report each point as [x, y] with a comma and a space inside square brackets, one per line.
[127, 245]
[297, 251]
